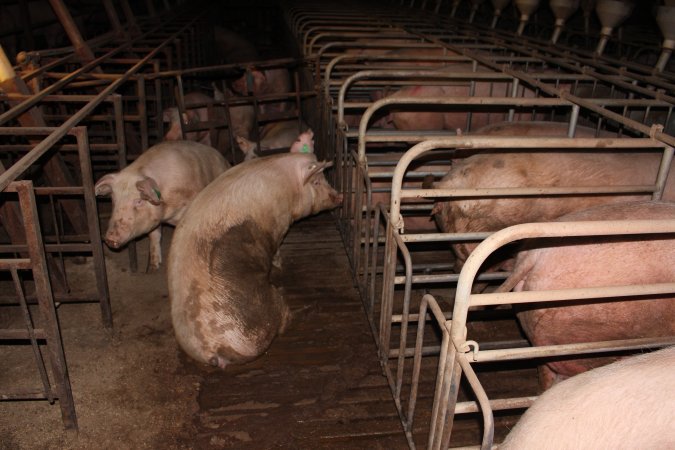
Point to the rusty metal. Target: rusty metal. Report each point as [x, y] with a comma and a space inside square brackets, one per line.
[81, 47]
[20, 166]
[113, 151]
[59, 385]
[89, 241]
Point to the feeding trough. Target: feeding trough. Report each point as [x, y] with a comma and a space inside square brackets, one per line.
[665, 18]
[563, 10]
[611, 13]
[526, 8]
[475, 4]
[499, 6]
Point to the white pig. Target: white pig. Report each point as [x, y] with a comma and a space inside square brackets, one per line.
[191, 116]
[625, 405]
[599, 262]
[223, 306]
[157, 188]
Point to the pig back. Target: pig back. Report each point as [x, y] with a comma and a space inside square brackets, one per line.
[224, 309]
[538, 169]
[591, 263]
[625, 405]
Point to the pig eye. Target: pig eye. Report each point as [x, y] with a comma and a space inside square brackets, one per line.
[138, 202]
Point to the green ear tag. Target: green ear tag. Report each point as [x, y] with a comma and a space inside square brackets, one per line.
[305, 148]
[159, 194]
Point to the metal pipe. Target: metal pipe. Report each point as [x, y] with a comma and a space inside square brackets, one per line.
[24, 163]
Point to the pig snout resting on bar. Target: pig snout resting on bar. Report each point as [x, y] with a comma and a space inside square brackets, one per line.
[223, 305]
[157, 188]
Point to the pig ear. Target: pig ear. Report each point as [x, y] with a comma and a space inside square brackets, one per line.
[149, 190]
[168, 114]
[315, 168]
[217, 93]
[259, 79]
[245, 145]
[304, 143]
[104, 185]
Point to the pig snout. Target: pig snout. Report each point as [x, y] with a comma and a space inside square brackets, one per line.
[113, 239]
[120, 231]
[112, 243]
[327, 198]
[336, 198]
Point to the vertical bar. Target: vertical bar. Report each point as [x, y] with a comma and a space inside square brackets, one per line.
[46, 303]
[142, 112]
[94, 229]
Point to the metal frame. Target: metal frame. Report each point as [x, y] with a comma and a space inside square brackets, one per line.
[632, 101]
[56, 387]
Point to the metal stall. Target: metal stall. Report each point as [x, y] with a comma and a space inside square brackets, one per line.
[67, 114]
[486, 76]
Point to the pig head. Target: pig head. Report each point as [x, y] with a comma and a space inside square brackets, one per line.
[157, 188]
[137, 206]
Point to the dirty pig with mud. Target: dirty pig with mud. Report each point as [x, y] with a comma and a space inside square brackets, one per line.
[223, 306]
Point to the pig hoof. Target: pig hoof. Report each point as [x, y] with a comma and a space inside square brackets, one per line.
[153, 267]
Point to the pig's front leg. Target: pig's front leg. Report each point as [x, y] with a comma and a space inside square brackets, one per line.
[155, 259]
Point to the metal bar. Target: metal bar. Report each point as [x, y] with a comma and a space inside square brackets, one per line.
[46, 303]
[40, 149]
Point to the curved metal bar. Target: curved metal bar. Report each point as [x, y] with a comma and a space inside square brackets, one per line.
[484, 142]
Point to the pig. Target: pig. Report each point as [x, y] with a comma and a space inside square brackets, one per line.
[451, 120]
[277, 135]
[263, 83]
[625, 405]
[540, 169]
[241, 121]
[223, 306]
[157, 188]
[596, 262]
[190, 117]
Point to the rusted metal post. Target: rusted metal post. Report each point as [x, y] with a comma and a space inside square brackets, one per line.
[80, 46]
[94, 229]
[45, 297]
[131, 19]
[113, 18]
